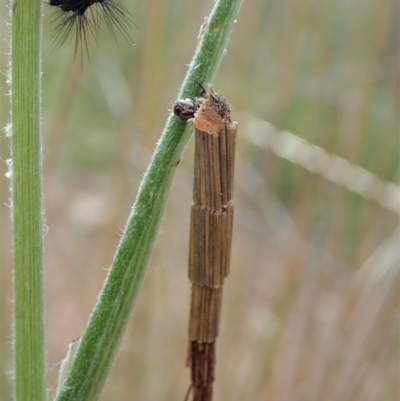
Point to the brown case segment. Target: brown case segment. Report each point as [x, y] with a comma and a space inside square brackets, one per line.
[214, 167]
[205, 311]
[202, 364]
[210, 245]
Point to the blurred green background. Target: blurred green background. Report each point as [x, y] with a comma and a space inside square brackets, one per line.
[311, 307]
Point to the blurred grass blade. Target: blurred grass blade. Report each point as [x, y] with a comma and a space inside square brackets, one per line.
[27, 200]
[316, 159]
[103, 333]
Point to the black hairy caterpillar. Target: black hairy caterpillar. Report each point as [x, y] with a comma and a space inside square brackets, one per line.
[78, 19]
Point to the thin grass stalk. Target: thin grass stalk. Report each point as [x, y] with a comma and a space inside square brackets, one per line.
[27, 200]
[109, 318]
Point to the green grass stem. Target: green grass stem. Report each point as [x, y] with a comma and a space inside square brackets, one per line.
[27, 200]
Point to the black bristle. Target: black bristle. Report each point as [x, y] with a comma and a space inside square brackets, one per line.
[79, 19]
